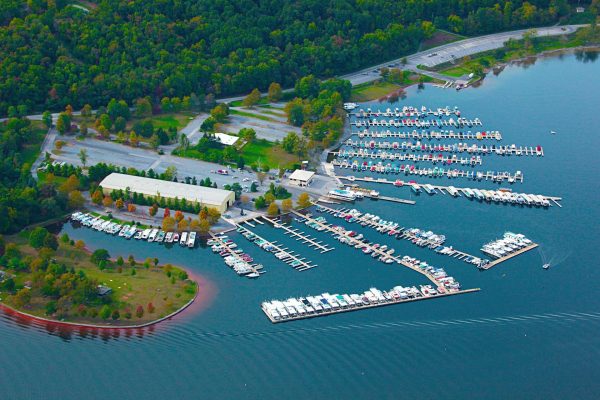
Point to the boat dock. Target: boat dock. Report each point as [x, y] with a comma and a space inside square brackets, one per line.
[509, 256]
[409, 157]
[328, 227]
[428, 135]
[498, 196]
[226, 248]
[307, 310]
[494, 176]
[301, 236]
[282, 253]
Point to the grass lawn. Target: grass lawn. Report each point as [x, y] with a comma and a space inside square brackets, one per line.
[239, 103]
[372, 90]
[457, 71]
[268, 153]
[43, 178]
[166, 121]
[251, 115]
[150, 285]
[32, 151]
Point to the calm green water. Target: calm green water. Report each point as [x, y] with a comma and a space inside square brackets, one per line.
[529, 333]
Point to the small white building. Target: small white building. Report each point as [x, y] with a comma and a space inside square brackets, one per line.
[227, 140]
[301, 177]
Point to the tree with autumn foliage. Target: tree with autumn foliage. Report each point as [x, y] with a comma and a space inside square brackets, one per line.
[167, 213]
[119, 204]
[131, 207]
[107, 201]
[153, 210]
[178, 215]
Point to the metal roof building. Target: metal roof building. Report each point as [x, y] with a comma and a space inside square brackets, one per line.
[301, 177]
[205, 196]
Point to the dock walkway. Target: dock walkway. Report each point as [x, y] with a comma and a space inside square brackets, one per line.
[234, 254]
[300, 262]
[509, 256]
[301, 236]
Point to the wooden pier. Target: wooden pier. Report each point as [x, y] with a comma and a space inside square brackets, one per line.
[301, 236]
[509, 256]
[365, 306]
[475, 160]
[290, 258]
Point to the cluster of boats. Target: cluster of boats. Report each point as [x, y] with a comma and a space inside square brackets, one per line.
[235, 257]
[324, 304]
[506, 196]
[407, 122]
[131, 231]
[279, 253]
[407, 111]
[510, 243]
[385, 155]
[448, 148]
[451, 252]
[430, 134]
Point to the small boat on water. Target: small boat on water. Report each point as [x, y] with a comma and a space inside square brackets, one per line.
[546, 266]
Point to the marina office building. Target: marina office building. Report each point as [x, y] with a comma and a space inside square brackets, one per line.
[205, 196]
[301, 177]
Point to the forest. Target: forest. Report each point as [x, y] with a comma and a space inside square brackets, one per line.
[54, 54]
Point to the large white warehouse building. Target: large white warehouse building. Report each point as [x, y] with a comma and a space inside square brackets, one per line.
[205, 196]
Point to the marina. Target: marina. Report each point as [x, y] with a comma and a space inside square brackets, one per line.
[429, 134]
[438, 276]
[511, 245]
[475, 160]
[236, 259]
[300, 236]
[496, 196]
[281, 253]
[327, 304]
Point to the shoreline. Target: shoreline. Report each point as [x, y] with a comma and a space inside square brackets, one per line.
[207, 295]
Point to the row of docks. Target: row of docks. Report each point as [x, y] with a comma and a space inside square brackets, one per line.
[454, 159]
[507, 150]
[234, 257]
[281, 253]
[185, 239]
[438, 276]
[300, 236]
[328, 304]
[389, 168]
[497, 196]
[406, 111]
[416, 123]
[430, 134]
[416, 236]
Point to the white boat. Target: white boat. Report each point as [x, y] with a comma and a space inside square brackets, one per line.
[191, 240]
[183, 240]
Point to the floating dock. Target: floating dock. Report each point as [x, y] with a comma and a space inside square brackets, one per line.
[267, 307]
[301, 236]
[295, 261]
[474, 160]
[509, 256]
[253, 267]
[428, 135]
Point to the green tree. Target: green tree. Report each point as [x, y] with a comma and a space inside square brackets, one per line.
[290, 142]
[105, 312]
[63, 123]
[37, 236]
[100, 255]
[47, 119]
[251, 99]
[274, 92]
[83, 156]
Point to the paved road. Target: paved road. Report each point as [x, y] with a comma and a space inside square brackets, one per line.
[47, 146]
[456, 50]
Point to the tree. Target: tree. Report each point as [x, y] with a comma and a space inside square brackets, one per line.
[260, 177]
[252, 99]
[69, 110]
[248, 134]
[105, 312]
[303, 200]
[50, 242]
[273, 210]
[22, 297]
[166, 213]
[80, 245]
[107, 201]
[253, 188]
[59, 144]
[99, 255]
[133, 139]
[150, 308]
[154, 141]
[269, 198]
[72, 183]
[170, 173]
[97, 197]
[139, 311]
[131, 207]
[120, 261]
[47, 119]
[203, 227]
[143, 108]
[213, 215]
[286, 205]
[119, 203]
[37, 236]
[260, 202]
[183, 225]
[76, 199]
[168, 224]
[295, 112]
[290, 142]
[83, 128]
[83, 156]
[120, 124]
[178, 215]
[274, 93]
[153, 210]
[86, 111]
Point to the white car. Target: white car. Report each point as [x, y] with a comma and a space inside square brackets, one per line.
[245, 179]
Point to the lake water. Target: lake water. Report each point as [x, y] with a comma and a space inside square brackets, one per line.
[529, 333]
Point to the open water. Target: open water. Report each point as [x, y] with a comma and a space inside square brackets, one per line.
[529, 333]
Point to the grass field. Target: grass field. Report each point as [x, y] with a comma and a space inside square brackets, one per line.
[372, 90]
[148, 285]
[458, 71]
[166, 121]
[32, 151]
[268, 153]
[238, 103]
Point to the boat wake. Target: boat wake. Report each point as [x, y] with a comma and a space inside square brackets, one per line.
[552, 258]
